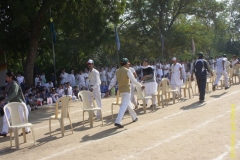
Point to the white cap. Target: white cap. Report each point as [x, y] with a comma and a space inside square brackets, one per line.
[174, 58]
[90, 61]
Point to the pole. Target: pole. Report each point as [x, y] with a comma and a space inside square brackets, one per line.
[118, 61]
[5, 57]
[53, 48]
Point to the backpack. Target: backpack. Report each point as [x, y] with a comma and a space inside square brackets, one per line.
[200, 68]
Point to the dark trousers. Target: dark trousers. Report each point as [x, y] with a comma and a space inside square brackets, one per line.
[201, 81]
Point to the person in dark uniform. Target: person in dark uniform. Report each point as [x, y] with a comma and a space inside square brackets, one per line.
[200, 68]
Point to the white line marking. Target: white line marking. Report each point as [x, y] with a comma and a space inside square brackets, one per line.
[124, 132]
[220, 157]
[173, 137]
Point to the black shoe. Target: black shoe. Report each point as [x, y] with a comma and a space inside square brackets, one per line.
[3, 135]
[25, 133]
[142, 104]
[135, 120]
[227, 87]
[214, 87]
[201, 101]
[118, 125]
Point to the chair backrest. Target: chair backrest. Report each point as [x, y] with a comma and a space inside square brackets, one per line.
[139, 92]
[237, 68]
[230, 72]
[165, 85]
[188, 82]
[213, 77]
[15, 109]
[87, 99]
[64, 106]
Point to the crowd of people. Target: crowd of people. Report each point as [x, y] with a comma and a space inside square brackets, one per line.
[111, 79]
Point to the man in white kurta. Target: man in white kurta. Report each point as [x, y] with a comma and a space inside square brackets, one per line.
[94, 85]
[81, 80]
[72, 80]
[176, 76]
[221, 70]
[64, 77]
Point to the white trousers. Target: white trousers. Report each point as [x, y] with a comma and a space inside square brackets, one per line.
[176, 87]
[125, 104]
[225, 75]
[153, 99]
[5, 126]
[97, 95]
[133, 100]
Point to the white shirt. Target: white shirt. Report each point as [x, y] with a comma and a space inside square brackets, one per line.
[219, 64]
[69, 91]
[130, 76]
[20, 79]
[234, 62]
[94, 79]
[81, 78]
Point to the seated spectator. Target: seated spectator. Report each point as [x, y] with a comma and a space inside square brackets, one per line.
[69, 91]
[75, 91]
[44, 97]
[39, 99]
[38, 86]
[49, 85]
[60, 91]
[158, 79]
[54, 95]
[104, 90]
[32, 102]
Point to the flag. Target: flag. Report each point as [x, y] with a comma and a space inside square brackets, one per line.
[193, 46]
[117, 39]
[52, 30]
[162, 42]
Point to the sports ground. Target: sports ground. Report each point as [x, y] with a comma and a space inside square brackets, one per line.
[186, 130]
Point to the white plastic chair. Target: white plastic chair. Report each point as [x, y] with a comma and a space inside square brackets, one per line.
[166, 90]
[188, 86]
[16, 123]
[237, 72]
[64, 113]
[87, 98]
[141, 96]
[116, 103]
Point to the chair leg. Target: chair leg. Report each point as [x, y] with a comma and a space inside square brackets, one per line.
[189, 93]
[10, 137]
[33, 135]
[112, 111]
[50, 127]
[16, 138]
[91, 118]
[144, 106]
[24, 135]
[62, 126]
[162, 101]
[83, 119]
[101, 116]
[158, 97]
[70, 123]
[185, 94]
[174, 95]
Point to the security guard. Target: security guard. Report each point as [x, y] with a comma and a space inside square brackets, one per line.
[200, 68]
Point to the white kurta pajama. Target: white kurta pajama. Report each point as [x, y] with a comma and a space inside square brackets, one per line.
[176, 81]
[133, 100]
[94, 83]
[150, 85]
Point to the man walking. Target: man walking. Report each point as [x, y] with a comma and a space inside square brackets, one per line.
[94, 85]
[14, 94]
[221, 70]
[123, 76]
[200, 68]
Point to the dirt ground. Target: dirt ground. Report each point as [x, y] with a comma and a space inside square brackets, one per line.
[186, 130]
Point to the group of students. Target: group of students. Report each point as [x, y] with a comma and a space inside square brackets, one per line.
[124, 77]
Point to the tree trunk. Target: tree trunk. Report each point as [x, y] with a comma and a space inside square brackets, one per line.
[29, 64]
[34, 37]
